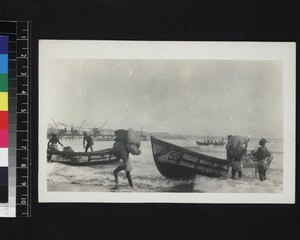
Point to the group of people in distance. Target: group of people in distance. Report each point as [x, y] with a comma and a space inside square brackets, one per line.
[54, 140]
[236, 148]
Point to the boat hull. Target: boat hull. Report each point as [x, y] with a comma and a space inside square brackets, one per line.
[81, 158]
[176, 162]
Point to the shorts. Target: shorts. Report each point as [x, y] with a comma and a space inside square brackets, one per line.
[127, 163]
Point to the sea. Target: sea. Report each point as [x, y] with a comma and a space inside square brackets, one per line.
[146, 177]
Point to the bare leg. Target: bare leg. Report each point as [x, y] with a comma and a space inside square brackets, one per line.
[129, 179]
[261, 174]
[87, 148]
[117, 170]
[233, 172]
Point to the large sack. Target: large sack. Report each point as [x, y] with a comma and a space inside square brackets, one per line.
[237, 152]
[121, 136]
[134, 138]
[119, 150]
[68, 149]
[236, 141]
[133, 149]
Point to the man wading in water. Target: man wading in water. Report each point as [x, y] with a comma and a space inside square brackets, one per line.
[261, 154]
[52, 145]
[121, 152]
[89, 142]
[236, 147]
[126, 142]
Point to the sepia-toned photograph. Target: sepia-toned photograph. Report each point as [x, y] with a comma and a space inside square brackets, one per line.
[198, 122]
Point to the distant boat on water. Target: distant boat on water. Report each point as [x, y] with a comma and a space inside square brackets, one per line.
[213, 143]
[177, 162]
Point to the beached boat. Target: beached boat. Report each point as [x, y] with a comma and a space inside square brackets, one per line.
[222, 143]
[174, 161]
[81, 158]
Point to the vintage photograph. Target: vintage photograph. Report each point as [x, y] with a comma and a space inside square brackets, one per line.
[166, 122]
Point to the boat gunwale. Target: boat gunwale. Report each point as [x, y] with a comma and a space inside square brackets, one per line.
[83, 154]
[85, 163]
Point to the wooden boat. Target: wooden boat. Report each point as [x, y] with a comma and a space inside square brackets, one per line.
[81, 158]
[210, 143]
[174, 161]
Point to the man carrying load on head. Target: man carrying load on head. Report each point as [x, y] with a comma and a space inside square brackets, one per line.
[236, 147]
[120, 151]
[125, 143]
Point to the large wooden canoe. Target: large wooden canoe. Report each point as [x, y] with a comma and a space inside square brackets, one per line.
[174, 161]
[81, 158]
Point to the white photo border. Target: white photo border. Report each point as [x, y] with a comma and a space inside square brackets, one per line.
[82, 49]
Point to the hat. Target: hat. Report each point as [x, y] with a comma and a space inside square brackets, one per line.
[262, 141]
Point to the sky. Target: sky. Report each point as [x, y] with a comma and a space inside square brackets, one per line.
[195, 97]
